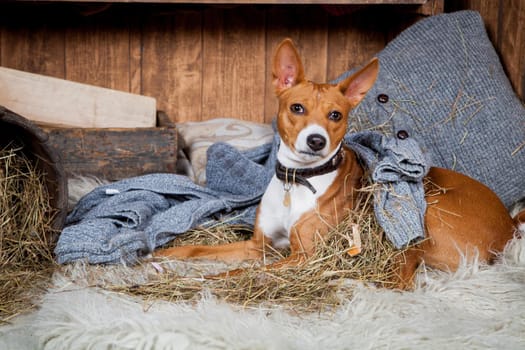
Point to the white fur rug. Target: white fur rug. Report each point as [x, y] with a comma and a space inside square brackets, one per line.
[478, 307]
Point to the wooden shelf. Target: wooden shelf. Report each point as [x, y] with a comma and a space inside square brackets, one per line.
[424, 7]
[245, 2]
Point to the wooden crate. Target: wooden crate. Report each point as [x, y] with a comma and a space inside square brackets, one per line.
[113, 153]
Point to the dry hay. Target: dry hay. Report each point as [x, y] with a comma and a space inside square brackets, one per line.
[26, 259]
[322, 283]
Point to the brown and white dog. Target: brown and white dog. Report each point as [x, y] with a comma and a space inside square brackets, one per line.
[317, 177]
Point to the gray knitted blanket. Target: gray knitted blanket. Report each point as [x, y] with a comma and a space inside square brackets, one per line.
[440, 82]
[121, 221]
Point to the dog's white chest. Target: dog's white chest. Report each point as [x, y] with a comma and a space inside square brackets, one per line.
[276, 219]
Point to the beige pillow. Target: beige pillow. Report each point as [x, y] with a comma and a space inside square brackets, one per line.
[196, 137]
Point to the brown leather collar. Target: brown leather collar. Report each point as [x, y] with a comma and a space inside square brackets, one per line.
[300, 175]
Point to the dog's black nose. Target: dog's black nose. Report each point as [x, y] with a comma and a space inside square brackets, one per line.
[316, 142]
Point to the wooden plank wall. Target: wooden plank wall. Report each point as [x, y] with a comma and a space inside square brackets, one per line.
[203, 62]
[199, 62]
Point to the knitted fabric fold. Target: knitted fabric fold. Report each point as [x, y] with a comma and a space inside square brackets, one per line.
[398, 166]
[124, 220]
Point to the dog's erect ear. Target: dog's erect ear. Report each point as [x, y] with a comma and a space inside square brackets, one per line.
[357, 85]
[287, 67]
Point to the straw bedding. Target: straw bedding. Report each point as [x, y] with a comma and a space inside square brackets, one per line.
[334, 302]
[162, 304]
[26, 258]
[321, 284]
[318, 285]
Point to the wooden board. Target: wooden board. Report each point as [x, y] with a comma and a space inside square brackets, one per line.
[97, 53]
[355, 46]
[233, 65]
[33, 47]
[344, 2]
[510, 43]
[115, 154]
[61, 102]
[172, 64]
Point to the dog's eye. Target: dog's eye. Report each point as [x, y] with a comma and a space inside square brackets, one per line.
[297, 108]
[335, 116]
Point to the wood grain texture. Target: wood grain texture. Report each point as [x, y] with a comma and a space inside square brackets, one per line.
[135, 56]
[172, 69]
[432, 7]
[351, 47]
[115, 154]
[511, 45]
[233, 69]
[32, 46]
[56, 101]
[97, 53]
